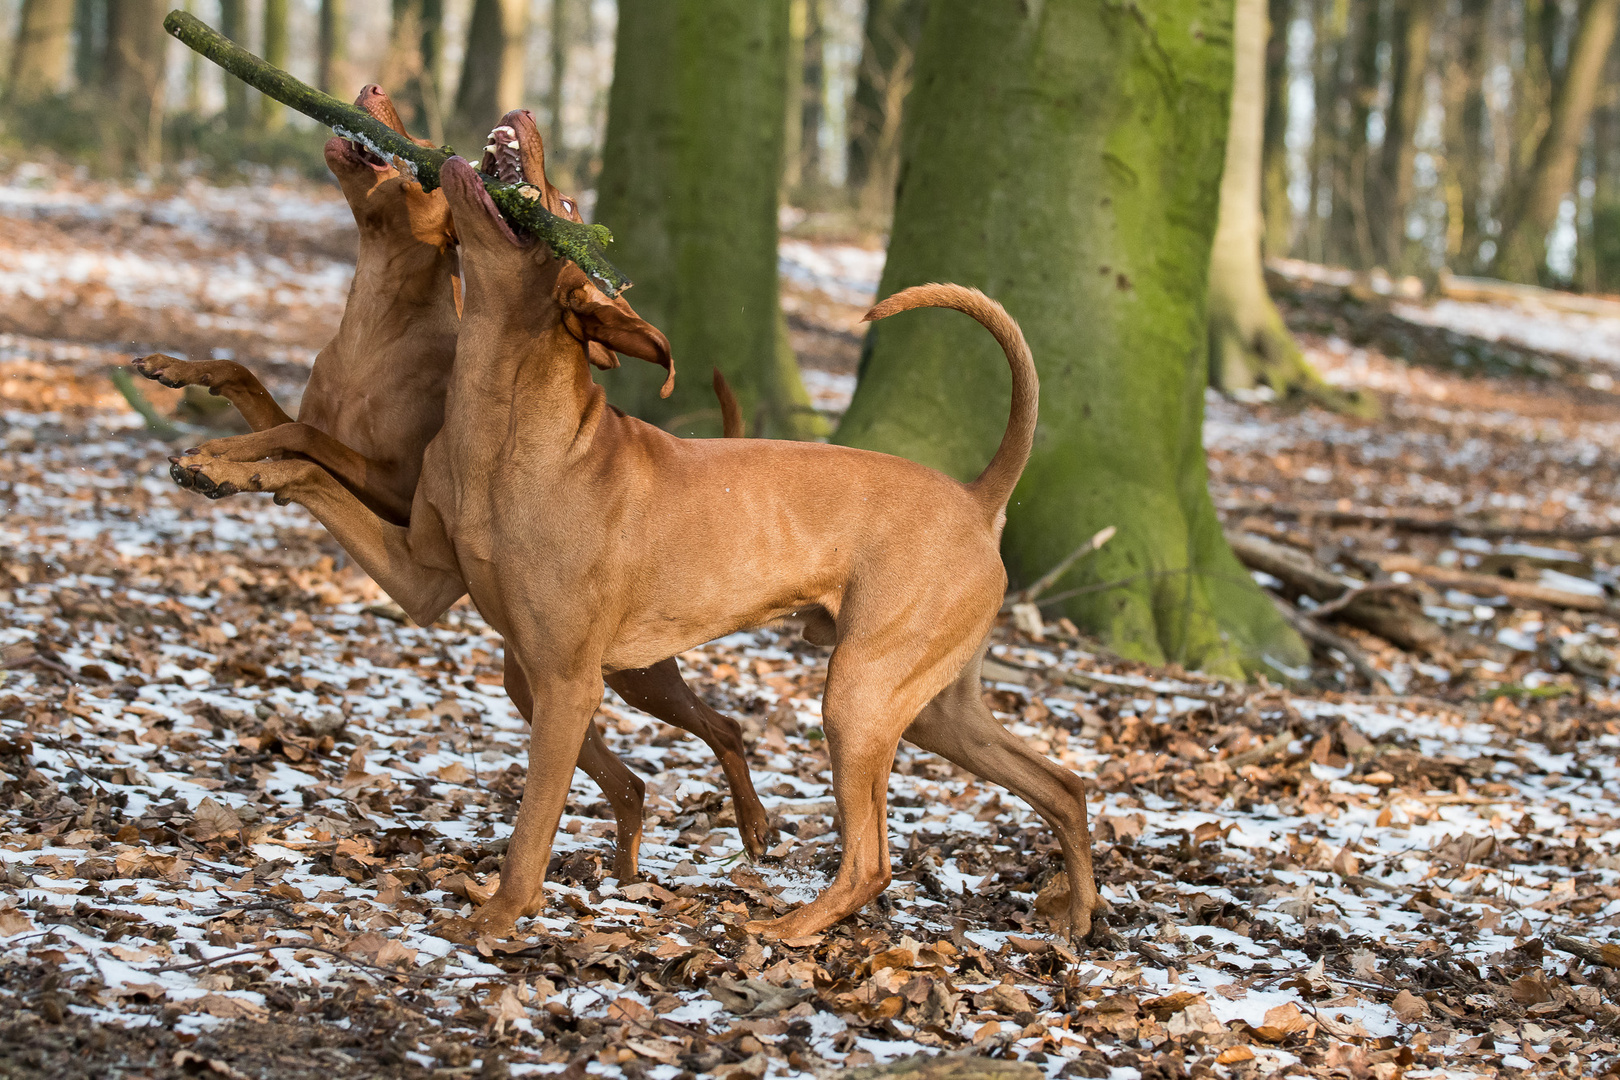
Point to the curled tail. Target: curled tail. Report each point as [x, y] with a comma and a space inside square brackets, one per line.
[995, 485]
[731, 418]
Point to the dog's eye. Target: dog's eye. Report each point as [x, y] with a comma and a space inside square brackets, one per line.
[568, 204]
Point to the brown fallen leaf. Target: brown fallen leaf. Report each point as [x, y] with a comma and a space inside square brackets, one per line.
[13, 921]
[1003, 998]
[194, 1063]
[1232, 1055]
[227, 1007]
[1409, 1008]
[211, 820]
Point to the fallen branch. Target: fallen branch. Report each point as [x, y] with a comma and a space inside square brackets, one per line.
[1383, 611]
[1260, 753]
[1406, 523]
[580, 244]
[1493, 585]
[1050, 578]
[155, 423]
[1312, 630]
[1603, 954]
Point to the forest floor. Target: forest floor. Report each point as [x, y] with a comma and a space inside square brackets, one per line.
[243, 807]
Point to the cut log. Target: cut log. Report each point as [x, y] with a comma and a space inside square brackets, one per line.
[1394, 616]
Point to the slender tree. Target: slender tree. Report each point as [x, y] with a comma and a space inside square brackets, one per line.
[40, 56]
[1409, 39]
[332, 47]
[812, 93]
[1249, 344]
[1465, 118]
[793, 69]
[690, 175]
[273, 46]
[136, 50]
[233, 24]
[1278, 211]
[1533, 206]
[561, 38]
[492, 70]
[882, 81]
[1066, 158]
[90, 42]
[1350, 232]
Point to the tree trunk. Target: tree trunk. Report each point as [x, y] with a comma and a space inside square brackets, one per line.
[136, 50]
[812, 92]
[492, 71]
[1534, 208]
[333, 47]
[1248, 342]
[882, 81]
[1409, 39]
[561, 31]
[690, 173]
[1274, 202]
[1066, 159]
[793, 134]
[39, 58]
[274, 50]
[233, 24]
[1465, 136]
[90, 43]
[1350, 231]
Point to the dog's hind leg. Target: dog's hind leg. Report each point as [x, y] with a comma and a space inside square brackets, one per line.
[226, 378]
[660, 691]
[958, 726]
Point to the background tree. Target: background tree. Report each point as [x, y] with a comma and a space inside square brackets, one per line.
[415, 68]
[1534, 205]
[274, 46]
[690, 173]
[132, 123]
[882, 81]
[1409, 37]
[1249, 343]
[492, 69]
[40, 56]
[233, 24]
[1066, 159]
[1274, 201]
[332, 49]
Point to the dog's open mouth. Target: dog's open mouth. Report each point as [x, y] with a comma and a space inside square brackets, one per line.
[376, 102]
[514, 154]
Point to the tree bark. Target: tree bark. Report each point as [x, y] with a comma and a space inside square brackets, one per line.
[90, 42]
[1274, 203]
[39, 58]
[136, 50]
[882, 81]
[1249, 344]
[1534, 207]
[1409, 39]
[1350, 232]
[690, 175]
[333, 47]
[1066, 159]
[492, 71]
[1464, 90]
[271, 115]
[812, 93]
[561, 36]
[233, 24]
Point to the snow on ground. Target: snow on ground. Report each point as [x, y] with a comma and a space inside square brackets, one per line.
[243, 810]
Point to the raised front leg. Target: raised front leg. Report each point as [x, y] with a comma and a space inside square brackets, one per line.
[660, 691]
[406, 561]
[226, 378]
[378, 485]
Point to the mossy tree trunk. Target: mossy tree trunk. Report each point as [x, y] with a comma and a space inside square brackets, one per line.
[1533, 208]
[1275, 204]
[690, 175]
[40, 54]
[1065, 158]
[1249, 344]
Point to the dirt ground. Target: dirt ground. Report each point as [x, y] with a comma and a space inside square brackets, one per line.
[245, 808]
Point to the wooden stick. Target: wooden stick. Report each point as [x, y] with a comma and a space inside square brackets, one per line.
[1050, 578]
[1405, 523]
[1312, 630]
[580, 244]
[1492, 585]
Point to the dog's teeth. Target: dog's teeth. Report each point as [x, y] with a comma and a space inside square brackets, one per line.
[490, 149]
[513, 145]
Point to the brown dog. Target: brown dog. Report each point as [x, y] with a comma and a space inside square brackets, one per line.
[376, 398]
[597, 543]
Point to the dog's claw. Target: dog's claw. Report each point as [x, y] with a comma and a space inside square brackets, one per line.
[193, 452]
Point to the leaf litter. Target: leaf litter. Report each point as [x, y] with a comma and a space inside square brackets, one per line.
[245, 809]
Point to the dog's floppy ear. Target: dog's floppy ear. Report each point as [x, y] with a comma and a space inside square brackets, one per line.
[609, 326]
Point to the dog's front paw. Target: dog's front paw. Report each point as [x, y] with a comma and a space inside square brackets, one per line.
[168, 370]
[217, 478]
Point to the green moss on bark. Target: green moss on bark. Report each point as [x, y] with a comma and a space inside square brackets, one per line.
[690, 171]
[1065, 158]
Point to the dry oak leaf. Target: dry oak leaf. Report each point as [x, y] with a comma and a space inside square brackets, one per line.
[380, 949]
[505, 1008]
[1409, 1008]
[195, 1064]
[1282, 1022]
[454, 773]
[1003, 998]
[753, 997]
[227, 1007]
[1234, 1054]
[211, 820]
[13, 921]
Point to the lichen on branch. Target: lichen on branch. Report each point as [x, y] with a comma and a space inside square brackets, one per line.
[580, 244]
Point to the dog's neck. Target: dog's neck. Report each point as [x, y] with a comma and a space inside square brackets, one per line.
[401, 310]
[526, 361]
